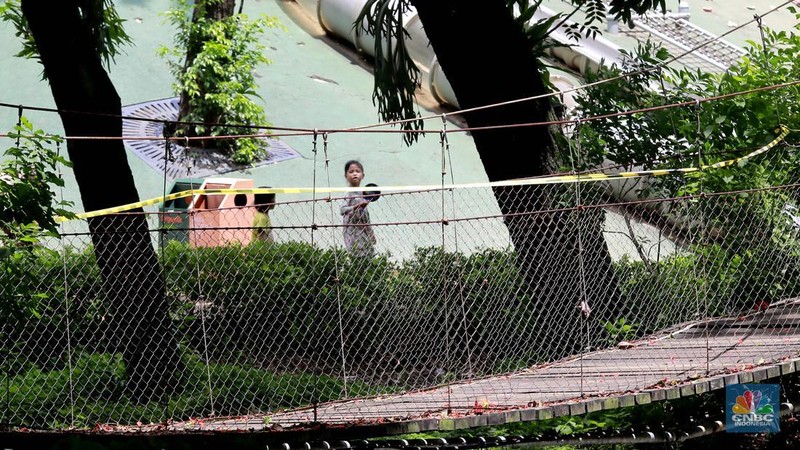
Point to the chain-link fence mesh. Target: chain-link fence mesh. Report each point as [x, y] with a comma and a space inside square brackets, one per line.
[194, 312]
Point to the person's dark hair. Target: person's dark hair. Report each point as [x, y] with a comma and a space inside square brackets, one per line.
[350, 163]
[264, 202]
[239, 200]
[372, 195]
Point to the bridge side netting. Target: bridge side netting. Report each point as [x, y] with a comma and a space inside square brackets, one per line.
[463, 283]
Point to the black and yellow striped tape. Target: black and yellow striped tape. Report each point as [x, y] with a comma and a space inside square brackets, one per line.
[558, 179]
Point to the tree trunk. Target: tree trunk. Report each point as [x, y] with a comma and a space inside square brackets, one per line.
[133, 280]
[560, 254]
[211, 10]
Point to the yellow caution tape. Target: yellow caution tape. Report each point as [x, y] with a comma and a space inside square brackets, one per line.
[557, 179]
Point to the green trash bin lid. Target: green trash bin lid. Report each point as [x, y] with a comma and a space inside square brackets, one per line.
[182, 203]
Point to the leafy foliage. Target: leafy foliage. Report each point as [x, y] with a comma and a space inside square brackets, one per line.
[225, 299]
[28, 211]
[27, 181]
[294, 287]
[710, 132]
[396, 75]
[741, 229]
[595, 11]
[620, 330]
[650, 139]
[100, 380]
[624, 9]
[213, 63]
[291, 288]
[100, 17]
[536, 32]
[712, 278]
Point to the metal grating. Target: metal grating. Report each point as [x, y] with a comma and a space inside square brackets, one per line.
[196, 162]
[679, 35]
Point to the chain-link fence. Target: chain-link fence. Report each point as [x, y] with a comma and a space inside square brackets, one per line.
[209, 310]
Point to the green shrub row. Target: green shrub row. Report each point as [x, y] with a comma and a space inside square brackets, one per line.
[284, 325]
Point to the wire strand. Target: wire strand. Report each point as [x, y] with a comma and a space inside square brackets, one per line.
[294, 131]
[458, 130]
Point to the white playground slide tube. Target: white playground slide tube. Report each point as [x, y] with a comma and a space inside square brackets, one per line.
[338, 16]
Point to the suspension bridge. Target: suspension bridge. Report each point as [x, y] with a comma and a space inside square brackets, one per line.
[464, 316]
[295, 334]
[696, 358]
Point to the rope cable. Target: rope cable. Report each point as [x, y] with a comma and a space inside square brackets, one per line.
[19, 126]
[317, 375]
[461, 268]
[203, 304]
[7, 355]
[664, 95]
[336, 273]
[550, 179]
[443, 256]
[167, 153]
[583, 305]
[551, 211]
[596, 83]
[563, 122]
[701, 299]
[659, 66]
[70, 380]
[767, 70]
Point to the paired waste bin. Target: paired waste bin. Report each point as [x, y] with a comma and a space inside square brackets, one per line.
[209, 220]
[175, 213]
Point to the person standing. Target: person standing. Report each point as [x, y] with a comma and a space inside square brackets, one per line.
[359, 238]
[262, 225]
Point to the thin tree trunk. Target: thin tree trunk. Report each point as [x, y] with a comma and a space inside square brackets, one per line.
[132, 276]
[203, 9]
[487, 59]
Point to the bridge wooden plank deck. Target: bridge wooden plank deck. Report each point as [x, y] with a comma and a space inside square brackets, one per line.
[699, 357]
